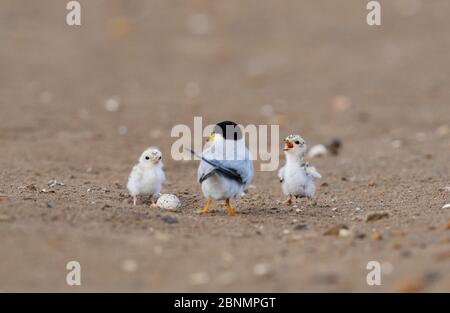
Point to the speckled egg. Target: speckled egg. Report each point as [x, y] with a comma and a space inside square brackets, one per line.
[168, 202]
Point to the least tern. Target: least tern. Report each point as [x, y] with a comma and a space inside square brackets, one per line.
[226, 166]
[297, 176]
[147, 177]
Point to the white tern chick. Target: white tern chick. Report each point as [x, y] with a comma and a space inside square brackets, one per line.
[147, 177]
[296, 176]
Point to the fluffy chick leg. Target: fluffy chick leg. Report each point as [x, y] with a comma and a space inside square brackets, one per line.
[134, 200]
[288, 201]
[230, 211]
[206, 207]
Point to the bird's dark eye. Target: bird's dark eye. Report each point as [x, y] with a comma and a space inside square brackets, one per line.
[297, 142]
[147, 158]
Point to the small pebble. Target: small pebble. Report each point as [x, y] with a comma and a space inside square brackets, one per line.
[376, 236]
[261, 269]
[169, 219]
[334, 231]
[360, 235]
[112, 104]
[53, 183]
[446, 206]
[301, 227]
[375, 216]
[344, 233]
[199, 278]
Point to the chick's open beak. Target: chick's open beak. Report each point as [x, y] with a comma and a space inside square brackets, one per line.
[288, 145]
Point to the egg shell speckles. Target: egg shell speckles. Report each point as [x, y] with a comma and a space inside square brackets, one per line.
[168, 202]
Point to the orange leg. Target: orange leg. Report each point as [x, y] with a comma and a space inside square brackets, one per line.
[206, 208]
[288, 201]
[230, 211]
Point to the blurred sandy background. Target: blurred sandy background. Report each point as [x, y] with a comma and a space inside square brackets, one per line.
[79, 104]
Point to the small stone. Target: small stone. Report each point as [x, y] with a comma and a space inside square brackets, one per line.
[301, 227]
[53, 183]
[169, 219]
[112, 104]
[372, 184]
[261, 269]
[376, 236]
[129, 266]
[199, 278]
[334, 209]
[358, 210]
[334, 146]
[324, 184]
[375, 216]
[344, 233]
[446, 206]
[334, 231]
[32, 187]
[298, 210]
[360, 235]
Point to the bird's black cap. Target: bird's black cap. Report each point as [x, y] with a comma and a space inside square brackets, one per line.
[229, 130]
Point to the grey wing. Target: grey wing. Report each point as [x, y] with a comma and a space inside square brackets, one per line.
[239, 170]
[281, 174]
[311, 170]
[136, 174]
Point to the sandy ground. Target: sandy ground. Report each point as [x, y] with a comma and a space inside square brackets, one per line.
[382, 90]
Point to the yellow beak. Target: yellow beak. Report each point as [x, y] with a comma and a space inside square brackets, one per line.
[211, 137]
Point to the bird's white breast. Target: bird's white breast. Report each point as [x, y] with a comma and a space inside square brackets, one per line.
[221, 188]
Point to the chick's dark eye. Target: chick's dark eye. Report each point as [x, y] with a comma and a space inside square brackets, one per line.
[147, 158]
[297, 142]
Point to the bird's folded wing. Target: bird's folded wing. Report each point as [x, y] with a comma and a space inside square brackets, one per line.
[238, 170]
[311, 170]
[281, 174]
